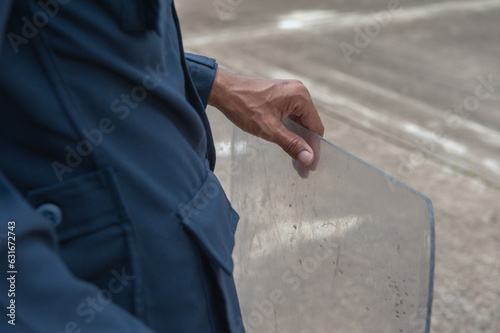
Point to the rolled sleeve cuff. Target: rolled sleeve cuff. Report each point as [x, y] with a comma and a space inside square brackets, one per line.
[202, 71]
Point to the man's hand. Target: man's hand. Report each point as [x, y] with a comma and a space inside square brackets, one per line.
[258, 106]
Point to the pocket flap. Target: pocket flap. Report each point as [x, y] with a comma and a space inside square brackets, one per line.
[212, 221]
[88, 203]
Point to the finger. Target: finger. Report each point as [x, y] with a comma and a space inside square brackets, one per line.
[311, 120]
[315, 143]
[309, 116]
[294, 145]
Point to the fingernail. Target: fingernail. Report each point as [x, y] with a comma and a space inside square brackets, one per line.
[305, 157]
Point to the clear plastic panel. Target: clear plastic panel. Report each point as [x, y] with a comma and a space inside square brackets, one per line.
[339, 247]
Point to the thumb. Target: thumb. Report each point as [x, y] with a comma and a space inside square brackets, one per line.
[294, 145]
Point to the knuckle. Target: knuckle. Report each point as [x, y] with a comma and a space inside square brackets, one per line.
[292, 145]
[303, 92]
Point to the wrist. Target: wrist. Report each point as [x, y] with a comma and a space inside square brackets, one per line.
[219, 88]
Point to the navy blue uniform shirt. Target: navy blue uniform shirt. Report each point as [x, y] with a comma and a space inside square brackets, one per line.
[106, 174]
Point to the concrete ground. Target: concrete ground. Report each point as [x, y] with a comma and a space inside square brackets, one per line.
[411, 87]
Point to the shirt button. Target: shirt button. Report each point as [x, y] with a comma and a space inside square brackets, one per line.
[52, 213]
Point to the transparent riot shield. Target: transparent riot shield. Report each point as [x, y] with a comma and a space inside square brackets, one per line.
[338, 247]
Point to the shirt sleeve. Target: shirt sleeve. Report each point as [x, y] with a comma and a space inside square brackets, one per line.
[202, 71]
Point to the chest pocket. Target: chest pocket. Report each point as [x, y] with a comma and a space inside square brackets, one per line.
[94, 231]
